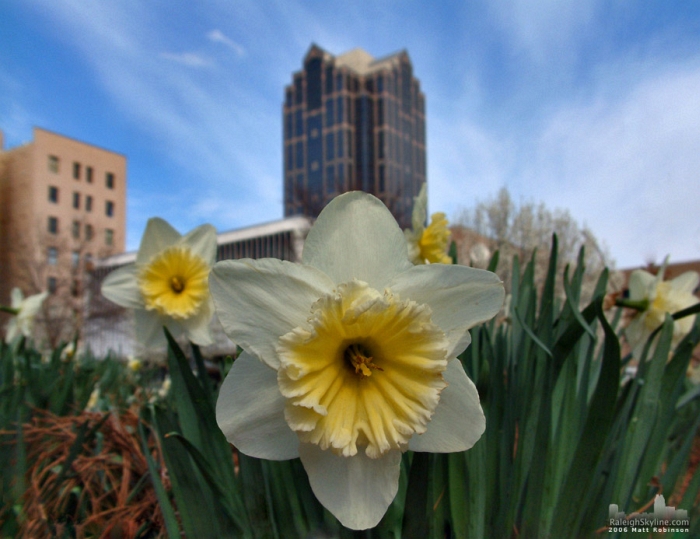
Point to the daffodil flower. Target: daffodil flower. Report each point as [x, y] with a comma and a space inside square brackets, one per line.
[350, 357]
[133, 364]
[659, 297]
[427, 245]
[24, 311]
[94, 400]
[168, 284]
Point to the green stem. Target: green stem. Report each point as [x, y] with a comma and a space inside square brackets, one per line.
[639, 304]
[10, 310]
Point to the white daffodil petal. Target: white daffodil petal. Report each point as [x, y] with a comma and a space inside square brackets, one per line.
[149, 329]
[202, 242]
[197, 327]
[459, 421]
[250, 411]
[32, 305]
[420, 210]
[460, 297]
[11, 329]
[16, 298]
[356, 237]
[686, 282]
[639, 284]
[357, 490]
[258, 301]
[121, 287]
[158, 235]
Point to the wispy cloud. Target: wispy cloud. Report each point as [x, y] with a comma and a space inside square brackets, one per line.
[190, 59]
[217, 36]
[545, 28]
[624, 161]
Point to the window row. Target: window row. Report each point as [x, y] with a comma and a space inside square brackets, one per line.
[398, 83]
[53, 197]
[337, 144]
[78, 230]
[52, 257]
[52, 286]
[54, 163]
[384, 111]
[337, 111]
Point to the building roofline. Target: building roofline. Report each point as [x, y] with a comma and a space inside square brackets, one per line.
[101, 148]
[288, 224]
[297, 222]
[346, 58]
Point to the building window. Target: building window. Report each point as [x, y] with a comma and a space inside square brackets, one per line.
[109, 208]
[329, 80]
[330, 179]
[300, 154]
[76, 170]
[53, 194]
[75, 288]
[313, 83]
[109, 180]
[75, 258]
[76, 200]
[51, 285]
[339, 82]
[298, 93]
[298, 123]
[290, 157]
[53, 225]
[88, 174]
[341, 144]
[288, 125]
[330, 112]
[330, 146]
[341, 176]
[88, 203]
[76, 229]
[52, 257]
[53, 164]
[89, 232]
[109, 236]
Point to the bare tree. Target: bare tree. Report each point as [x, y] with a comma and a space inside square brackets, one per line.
[60, 264]
[523, 230]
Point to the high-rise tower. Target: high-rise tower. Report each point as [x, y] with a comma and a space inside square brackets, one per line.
[352, 122]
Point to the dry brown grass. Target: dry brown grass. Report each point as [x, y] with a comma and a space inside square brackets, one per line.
[104, 493]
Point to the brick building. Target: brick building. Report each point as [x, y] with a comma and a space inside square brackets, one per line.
[62, 205]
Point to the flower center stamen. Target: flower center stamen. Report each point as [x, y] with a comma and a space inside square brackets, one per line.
[326, 370]
[360, 360]
[177, 284]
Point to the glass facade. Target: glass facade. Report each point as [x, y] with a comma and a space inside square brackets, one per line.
[353, 122]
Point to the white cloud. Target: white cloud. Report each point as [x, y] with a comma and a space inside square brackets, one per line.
[218, 36]
[630, 166]
[16, 120]
[189, 59]
[544, 28]
[625, 161]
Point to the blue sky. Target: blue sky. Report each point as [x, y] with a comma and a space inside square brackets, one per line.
[589, 105]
